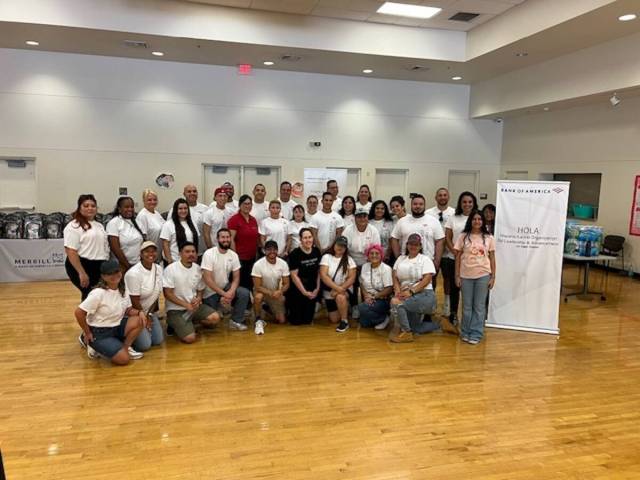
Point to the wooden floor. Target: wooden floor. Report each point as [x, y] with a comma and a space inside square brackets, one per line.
[305, 402]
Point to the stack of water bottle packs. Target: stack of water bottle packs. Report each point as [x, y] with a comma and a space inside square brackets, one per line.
[583, 240]
[37, 226]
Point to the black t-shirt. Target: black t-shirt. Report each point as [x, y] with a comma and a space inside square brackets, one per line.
[307, 265]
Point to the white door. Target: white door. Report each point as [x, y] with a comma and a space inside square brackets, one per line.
[390, 182]
[268, 176]
[17, 184]
[462, 181]
[215, 175]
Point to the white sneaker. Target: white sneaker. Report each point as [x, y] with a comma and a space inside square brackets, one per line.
[384, 324]
[259, 328]
[134, 354]
[241, 327]
[91, 353]
[355, 313]
[81, 341]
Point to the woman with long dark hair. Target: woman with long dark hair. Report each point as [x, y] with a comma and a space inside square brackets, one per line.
[245, 238]
[338, 273]
[125, 236]
[380, 219]
[397, 207]
[347, 210]
[86, 245]
[475, 275]
[177, 230]
[453, 228]
[489, 215]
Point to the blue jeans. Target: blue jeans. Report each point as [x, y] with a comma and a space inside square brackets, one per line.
[474, 297]
[240, 303]
[147, 338]
[108, 341]
[374, 314]
[411, 311]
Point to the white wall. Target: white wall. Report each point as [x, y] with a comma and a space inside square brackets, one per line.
[589, 139]
[96, 123]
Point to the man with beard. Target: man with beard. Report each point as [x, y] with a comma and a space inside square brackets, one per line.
[232, 205]
[441, 212]
[260, 208]
[221, 275]
[426, 226]
[286, 204]
[270, 283]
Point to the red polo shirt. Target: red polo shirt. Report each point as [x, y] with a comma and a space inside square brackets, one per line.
[246, 236]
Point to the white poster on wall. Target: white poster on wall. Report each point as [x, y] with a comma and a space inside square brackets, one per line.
[315, 180]
[529, 233]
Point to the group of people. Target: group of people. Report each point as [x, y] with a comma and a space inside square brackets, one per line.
[364, 260]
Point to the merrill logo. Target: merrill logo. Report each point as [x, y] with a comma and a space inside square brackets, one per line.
[56, 260]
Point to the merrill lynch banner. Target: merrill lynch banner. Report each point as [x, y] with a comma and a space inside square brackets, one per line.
[31, 260]
[529, 233]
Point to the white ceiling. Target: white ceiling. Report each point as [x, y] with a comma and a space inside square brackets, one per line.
[365, 10]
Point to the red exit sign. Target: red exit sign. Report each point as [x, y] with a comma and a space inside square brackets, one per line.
[244, 69]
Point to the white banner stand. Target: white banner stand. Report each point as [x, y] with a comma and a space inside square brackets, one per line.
[529, 233]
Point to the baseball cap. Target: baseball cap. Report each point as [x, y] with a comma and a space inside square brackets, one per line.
[270, 244]
[222, 189]
[342, 241]
[148, 244]
[414, 238]
[361, 211]
[109, 267]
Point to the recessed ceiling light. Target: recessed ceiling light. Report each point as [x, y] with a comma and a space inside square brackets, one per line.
[33, 43]
[157, 54]
[546, 109]
[521, 54]
[268, 63]
[628, 17]
[456, 78]
[367, 70]
[405, 10]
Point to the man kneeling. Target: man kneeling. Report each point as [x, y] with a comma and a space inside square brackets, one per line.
[270, 282]
[183, 288]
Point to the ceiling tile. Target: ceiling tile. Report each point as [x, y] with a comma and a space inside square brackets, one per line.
[395, 20]
[338, 13]
[369, 6]
[227, 3]
[481, 6]
[287, 6]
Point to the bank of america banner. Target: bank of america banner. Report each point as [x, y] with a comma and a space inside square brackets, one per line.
[31, 260]
[529, 233]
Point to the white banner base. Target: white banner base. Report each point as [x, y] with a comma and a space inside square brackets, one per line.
[552, 331]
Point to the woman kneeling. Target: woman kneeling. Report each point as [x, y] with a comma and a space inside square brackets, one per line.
[109, 322]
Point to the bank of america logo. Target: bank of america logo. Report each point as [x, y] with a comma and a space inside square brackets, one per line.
[558, 190]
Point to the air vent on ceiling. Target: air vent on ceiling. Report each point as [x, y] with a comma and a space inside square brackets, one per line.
[417, 68]
[464, 16]
[290, 58]
[135, 44]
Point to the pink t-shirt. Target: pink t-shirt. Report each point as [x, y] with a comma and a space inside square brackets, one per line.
[474, 262]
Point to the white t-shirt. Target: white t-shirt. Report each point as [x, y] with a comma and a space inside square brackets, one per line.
[373, 280]
[337, 204]
[333, 263]
[260, 211]
[384, 227]
[426, 226]
[151, 225]
[446, 213]
[348, 220]
[197, 217]
[456, 223]
[366, 205]
[327, 224]
[128, 235]
[105, 307]
[216, 219]
[233, 206]
[91, 244]
[294, 231]
[147, 284]
[186, 282]
[287, 208]
[168, 232]
[411, 270]
[359, 241]
[221, 265]
[275, 229]
[270, 273]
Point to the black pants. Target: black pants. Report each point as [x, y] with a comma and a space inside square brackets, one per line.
[91, 267]
[448, 266]
[246, 280]
[300, 309]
